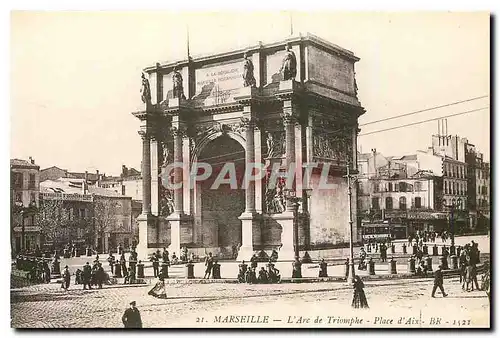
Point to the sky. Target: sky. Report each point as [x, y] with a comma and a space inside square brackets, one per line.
[75, 76]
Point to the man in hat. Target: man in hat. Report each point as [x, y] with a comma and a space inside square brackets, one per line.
[131, 317]
[66, 276]
[438, 282]
[87, 275]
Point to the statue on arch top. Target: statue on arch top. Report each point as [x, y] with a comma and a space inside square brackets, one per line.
[248, 78]
[145, 90]
[289, 65]
[178, 89]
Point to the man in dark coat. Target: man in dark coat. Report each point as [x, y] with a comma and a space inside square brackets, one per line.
[209, 263]
[131, 317]
[438, 282]
[87, 274]
[100, 275]
[156, 264]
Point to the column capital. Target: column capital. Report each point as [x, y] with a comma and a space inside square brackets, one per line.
[247, 124]
[179, 131]
[144, 135]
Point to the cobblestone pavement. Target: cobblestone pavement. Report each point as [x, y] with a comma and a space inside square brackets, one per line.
[196, 305]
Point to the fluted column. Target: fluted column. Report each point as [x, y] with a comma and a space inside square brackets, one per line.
[146, 173]
[249, 163]
[178, 171]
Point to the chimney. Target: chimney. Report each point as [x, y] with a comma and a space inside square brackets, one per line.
[84, 184]
[32, 161]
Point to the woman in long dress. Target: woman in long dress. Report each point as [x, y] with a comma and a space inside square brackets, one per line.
[359, 299]
[158, 290]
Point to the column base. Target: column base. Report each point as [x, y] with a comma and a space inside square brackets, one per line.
[285, 220]
[176, 220]
[145, 221]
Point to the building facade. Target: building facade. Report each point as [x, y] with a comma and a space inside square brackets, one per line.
[24, 189]
[73, 210]
[279, 105]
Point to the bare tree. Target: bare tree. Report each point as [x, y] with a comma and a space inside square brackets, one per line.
[52, 219]
[105, 211]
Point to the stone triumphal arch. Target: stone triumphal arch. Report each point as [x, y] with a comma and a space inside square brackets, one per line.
[280, 105]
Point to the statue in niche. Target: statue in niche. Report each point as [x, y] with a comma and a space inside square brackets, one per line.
[289, 66]
[270, 145]
[166, 202]
[275, 199]
[248, 78]
[145, 90]
[178, 89]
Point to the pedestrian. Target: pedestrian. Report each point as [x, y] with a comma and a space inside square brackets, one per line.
[253, 261]
[111, 261]
[438, 282]
[123, 262]
[132, 317]
[216, 270]
[159, 290]
[359, 297]
[66, 278]
[263, 278]
[87, 274]
[242, 271]
[323, 268]
[100, 275]
[383, 252]
[209, 263]
[156, 264]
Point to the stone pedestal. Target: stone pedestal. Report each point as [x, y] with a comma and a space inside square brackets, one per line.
[285, 220]
[250, 228]
[177, 220]
[145, 221]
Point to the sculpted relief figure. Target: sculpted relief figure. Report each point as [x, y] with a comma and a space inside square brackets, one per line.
[178, 89]
[248, 78]
[289, 66]
[145, 90]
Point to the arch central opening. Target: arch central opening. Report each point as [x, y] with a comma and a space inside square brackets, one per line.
[222, 204]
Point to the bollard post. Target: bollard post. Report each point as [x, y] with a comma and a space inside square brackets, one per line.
[414, 249]
[393, 249]
[392, 266]
[411, 265]
[216, 271]
[452, 250]
[435, 250]
[404, 248]
[140, 270]
[428, 261]
[444, 262]
[371, 265]
[133, 264]
[425, 249]
[164, 267]
[346, 268]
[454, 262]
[118, 270]
[190, 270]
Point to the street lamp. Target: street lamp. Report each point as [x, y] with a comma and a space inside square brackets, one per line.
[350, 181]
[454, 204]
[293, 205]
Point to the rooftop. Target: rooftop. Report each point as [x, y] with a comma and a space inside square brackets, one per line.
[15, 162]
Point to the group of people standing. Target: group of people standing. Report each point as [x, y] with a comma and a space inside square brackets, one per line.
[265, 276]
[90, 275]
[469, 258]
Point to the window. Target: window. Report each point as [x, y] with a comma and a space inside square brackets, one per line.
[375, 203]
[418, 202]
[389, 186]
[402, 203]
[32, 182]
[18, 180]
[33, 197]
[402, 186]
[82, 213]
[375, 187]
[19, 196]
[388, 203]
[446, 187]
[418, 186]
